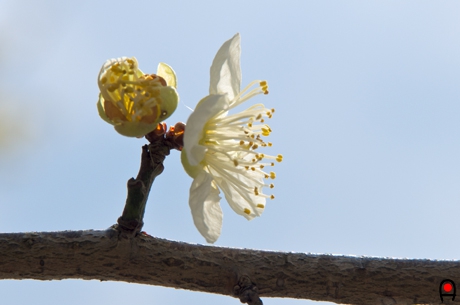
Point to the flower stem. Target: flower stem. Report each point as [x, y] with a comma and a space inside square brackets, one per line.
[131, 221]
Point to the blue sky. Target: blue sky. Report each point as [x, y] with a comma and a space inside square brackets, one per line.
[367, 117]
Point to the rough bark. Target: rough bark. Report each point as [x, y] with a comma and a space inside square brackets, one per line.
[247, 274]
[122, 253]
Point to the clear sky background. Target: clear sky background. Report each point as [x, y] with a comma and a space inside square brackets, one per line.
[367, 101]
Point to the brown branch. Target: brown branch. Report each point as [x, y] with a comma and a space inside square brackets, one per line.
[153, 155]
[108, 256]
[161, 142]
[122, 254]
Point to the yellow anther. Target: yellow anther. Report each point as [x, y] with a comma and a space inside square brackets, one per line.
[264, 86]
[235, 162]
[246, 167]
[270, 144]
[256, 191]
[272, 164]
[247, 211]
[272, 175]
[272, 196]
[114, 66]
[259, 116]
[249, 124]
[253, 168]
[272, 185]
[255, 146]
[273, 110]
[266, 131]
[104, 80]
[279, 158]
[241, 142]
[260, 206]
[262, 120]
[261, 166]
[266, 176]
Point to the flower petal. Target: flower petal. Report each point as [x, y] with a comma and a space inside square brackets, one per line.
[168, 74]
[192, 171]
[101, 111]
[226, 70]
[170, 99]
[134, 129]
[240, 199]
[205, 207]
[205, 110]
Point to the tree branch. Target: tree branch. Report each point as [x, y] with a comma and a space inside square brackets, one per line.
[108, 256]
[161, 141]
[153, 155]
[122, 254]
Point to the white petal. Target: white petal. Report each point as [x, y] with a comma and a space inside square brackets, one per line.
[205, 207]
[204, 111]
[240, 200]
[168, 74]
[226, 70]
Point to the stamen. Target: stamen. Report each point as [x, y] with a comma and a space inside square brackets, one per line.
[266, 131]
[232, 141]
[264, 86]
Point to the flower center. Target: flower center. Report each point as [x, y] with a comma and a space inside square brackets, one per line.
[135, 96]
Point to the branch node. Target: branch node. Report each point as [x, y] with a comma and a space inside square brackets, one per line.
[247, 291]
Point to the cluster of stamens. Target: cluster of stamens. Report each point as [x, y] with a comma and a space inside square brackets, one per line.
[236, 138]
[134, 94]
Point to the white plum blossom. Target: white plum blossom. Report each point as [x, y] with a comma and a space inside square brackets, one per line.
[132, 101]
[221, 149]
